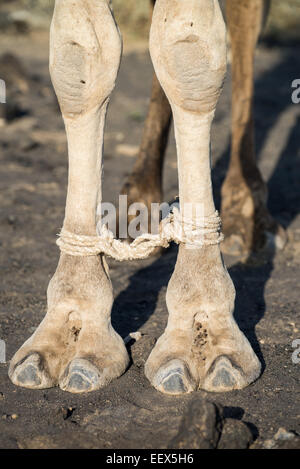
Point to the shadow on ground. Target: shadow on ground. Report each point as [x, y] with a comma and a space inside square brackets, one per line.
[129, 413]
[273, 96]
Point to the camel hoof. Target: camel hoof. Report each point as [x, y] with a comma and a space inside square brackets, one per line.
[30, 373]
[80, 376]
[223, 376]
[173, 378]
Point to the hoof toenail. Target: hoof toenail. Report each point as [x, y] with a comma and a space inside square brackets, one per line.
[80, 376]
[224, 376]
[30, 373]
[174, 383]
[78, 382]
[173, 378]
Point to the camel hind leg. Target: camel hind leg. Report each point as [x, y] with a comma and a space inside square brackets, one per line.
[144, 184]
[247, 223]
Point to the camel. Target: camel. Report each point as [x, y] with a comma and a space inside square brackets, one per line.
[202, 347]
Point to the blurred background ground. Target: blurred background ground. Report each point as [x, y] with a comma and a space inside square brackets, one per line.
[129, 413]
[133, 17]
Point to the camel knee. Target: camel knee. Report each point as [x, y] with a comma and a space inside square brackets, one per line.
[188, 49]
[85, 53]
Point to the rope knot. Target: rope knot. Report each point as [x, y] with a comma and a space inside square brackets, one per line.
[203, 231]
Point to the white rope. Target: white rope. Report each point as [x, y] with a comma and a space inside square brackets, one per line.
[203, 232]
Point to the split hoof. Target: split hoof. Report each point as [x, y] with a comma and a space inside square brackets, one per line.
[173, 378]
[223, 376]
[30, 373]
[80, 376]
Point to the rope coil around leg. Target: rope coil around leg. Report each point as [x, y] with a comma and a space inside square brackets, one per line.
[204, 231]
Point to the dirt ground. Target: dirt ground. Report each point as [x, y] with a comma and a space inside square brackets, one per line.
[129, 413]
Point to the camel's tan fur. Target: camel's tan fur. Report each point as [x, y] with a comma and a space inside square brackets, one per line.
[75, 346]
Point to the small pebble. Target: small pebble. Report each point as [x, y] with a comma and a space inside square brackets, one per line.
[269, 444]
[66, 412]
[283, 434]
[11, 219]
[133, 336]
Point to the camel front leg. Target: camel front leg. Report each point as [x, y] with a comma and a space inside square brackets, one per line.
[202, 346]
[75, 346]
